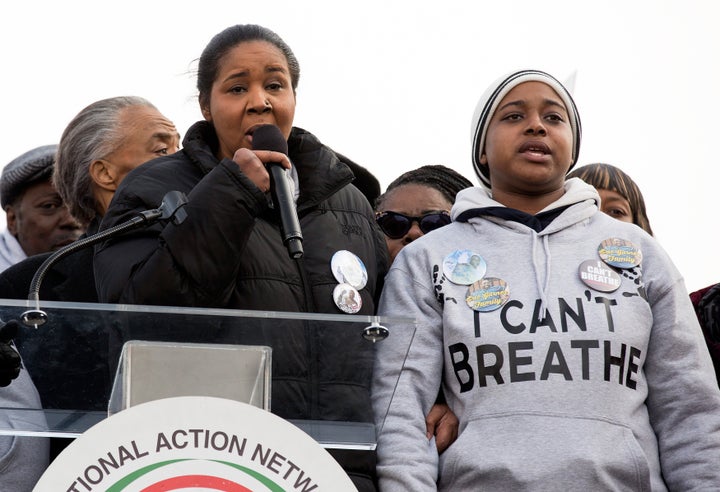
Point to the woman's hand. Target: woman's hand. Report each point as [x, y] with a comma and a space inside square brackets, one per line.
[443, 424]
[252, 164]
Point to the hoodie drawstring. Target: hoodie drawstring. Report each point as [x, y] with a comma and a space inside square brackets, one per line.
[542, 288]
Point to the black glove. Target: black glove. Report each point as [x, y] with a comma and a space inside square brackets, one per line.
[10, 362]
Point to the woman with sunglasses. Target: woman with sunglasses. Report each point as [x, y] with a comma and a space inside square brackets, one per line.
[416, 203]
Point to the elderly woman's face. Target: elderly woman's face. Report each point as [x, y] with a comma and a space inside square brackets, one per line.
[253, 87]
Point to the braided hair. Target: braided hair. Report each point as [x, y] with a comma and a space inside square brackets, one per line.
[447, 181]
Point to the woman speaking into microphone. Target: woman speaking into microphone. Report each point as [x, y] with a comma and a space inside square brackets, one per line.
[230, 252]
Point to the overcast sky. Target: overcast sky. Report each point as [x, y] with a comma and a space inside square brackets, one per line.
[393, 84]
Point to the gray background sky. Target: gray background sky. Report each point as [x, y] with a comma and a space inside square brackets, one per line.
[393, 84]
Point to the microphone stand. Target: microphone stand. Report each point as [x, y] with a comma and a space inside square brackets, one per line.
[169, 209]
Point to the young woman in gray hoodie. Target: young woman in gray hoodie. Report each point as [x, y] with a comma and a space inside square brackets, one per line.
[571, 355]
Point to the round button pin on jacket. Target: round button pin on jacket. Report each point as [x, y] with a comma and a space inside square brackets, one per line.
[347, 298]
[348, 268]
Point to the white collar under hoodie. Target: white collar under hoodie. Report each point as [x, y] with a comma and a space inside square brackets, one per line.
[10, 250]
[564, 386]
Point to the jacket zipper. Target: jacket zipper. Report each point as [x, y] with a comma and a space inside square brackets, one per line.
[313, 349]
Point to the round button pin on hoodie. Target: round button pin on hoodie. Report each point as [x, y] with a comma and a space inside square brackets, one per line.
[620, 253]
[487, 294]
[599, 276]
[348, 268]
[464, 267]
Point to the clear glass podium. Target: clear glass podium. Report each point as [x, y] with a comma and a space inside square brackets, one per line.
[89, 361]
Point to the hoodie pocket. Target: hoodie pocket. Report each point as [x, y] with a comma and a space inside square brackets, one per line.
[8, 452]
[544, 452]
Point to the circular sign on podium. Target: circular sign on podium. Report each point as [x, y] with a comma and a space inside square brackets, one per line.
[194, 443]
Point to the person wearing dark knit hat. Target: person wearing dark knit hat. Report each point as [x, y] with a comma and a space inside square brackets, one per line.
[574, 334]
[37, 219]
[26, 169]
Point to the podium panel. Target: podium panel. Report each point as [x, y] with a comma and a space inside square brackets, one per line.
[150, 371]
[313, 370]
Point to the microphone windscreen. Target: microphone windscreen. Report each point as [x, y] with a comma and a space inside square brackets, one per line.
[269, 137]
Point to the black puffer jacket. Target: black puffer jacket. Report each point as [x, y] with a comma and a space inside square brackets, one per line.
[229, 253]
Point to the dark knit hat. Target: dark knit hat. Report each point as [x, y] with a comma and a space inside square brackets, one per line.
[489, 101]
[26, 169]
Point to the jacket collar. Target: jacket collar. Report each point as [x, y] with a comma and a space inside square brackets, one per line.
[321, 172]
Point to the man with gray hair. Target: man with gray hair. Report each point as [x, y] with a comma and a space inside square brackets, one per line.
[98, 148]
[37, 219]
[103, 143]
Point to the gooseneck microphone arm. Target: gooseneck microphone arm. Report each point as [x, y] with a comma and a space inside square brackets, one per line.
[170, 208]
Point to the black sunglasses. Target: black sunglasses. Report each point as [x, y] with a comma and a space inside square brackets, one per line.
[396, 225]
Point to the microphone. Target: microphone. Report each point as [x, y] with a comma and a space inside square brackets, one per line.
[269, 137]
[169, 209]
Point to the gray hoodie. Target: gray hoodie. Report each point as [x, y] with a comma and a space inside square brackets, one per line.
[22, 459]
[563, 387]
